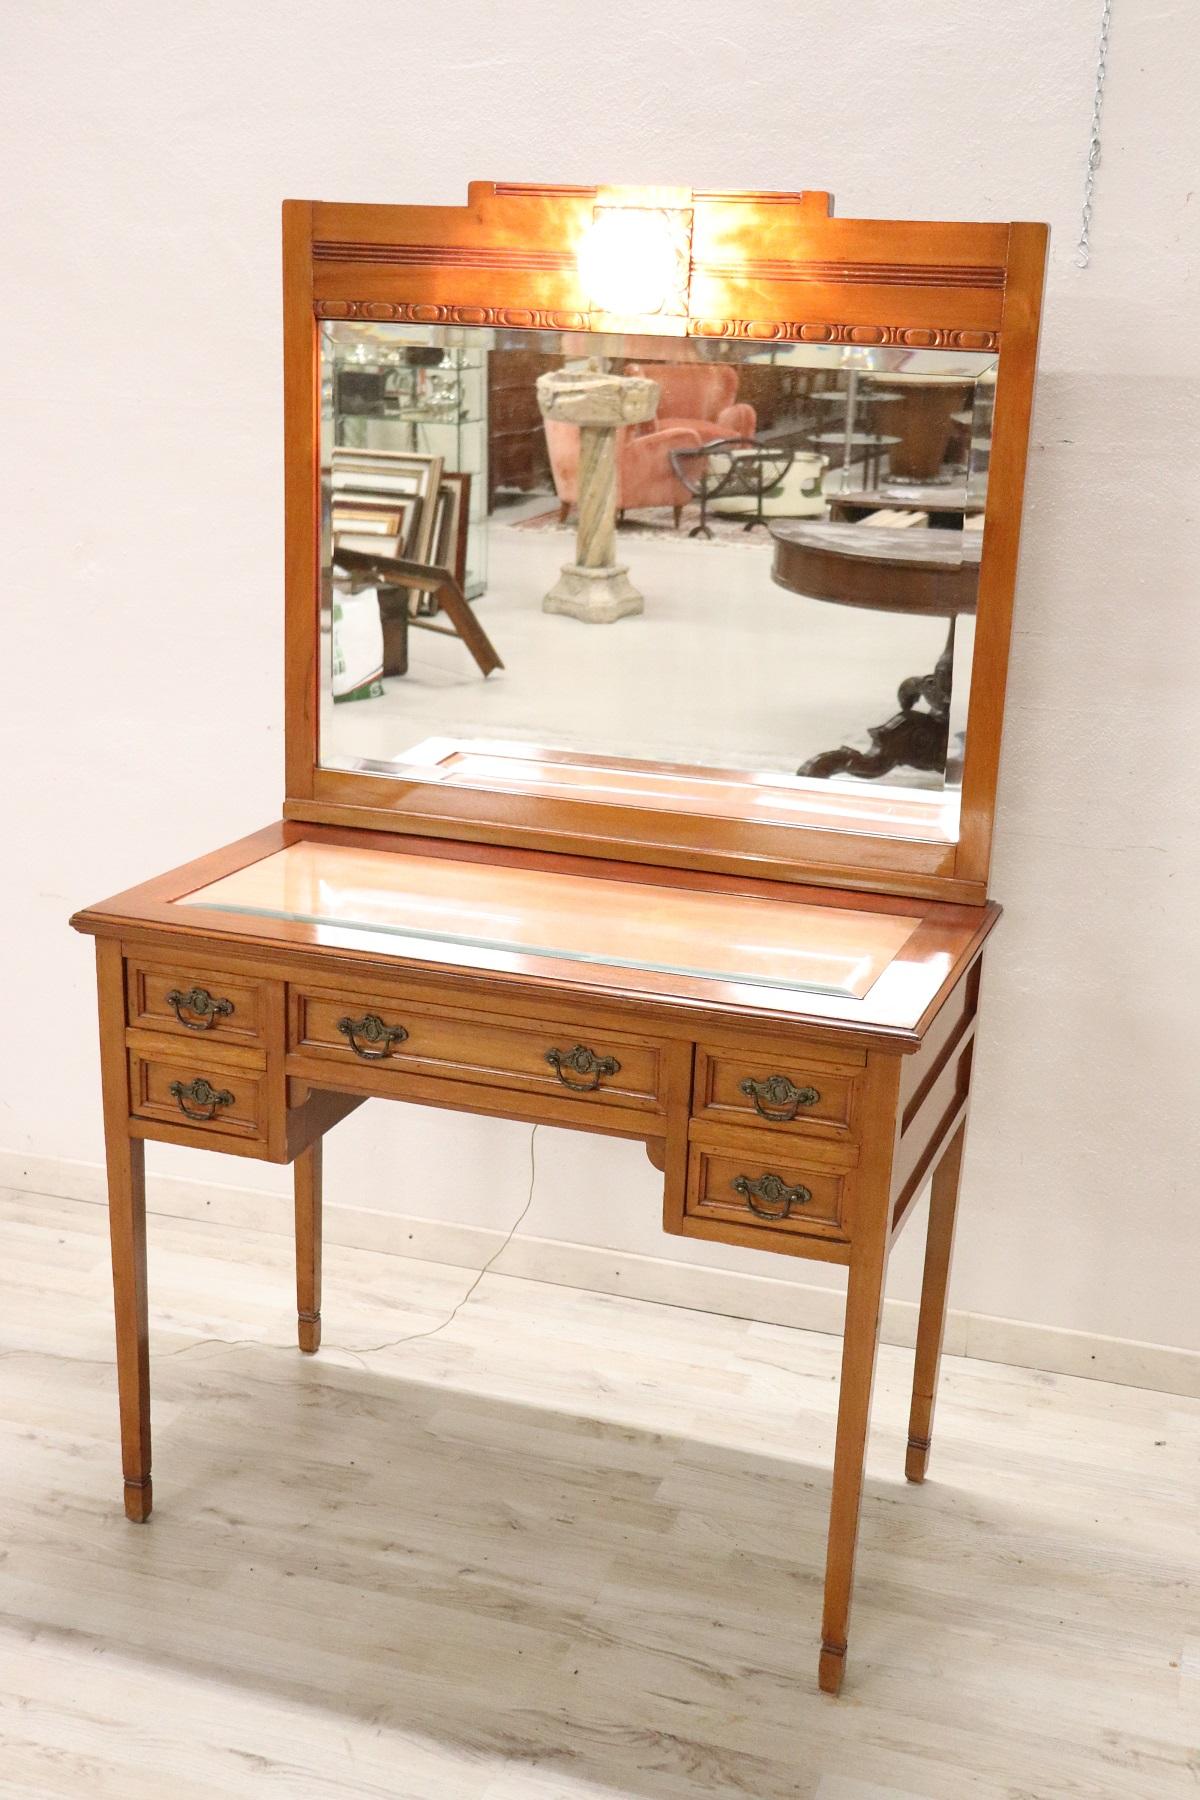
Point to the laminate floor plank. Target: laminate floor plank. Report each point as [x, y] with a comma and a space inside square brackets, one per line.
[569, 1548]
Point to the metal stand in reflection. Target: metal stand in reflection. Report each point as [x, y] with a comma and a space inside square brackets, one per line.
[729, 468]
[859, 438]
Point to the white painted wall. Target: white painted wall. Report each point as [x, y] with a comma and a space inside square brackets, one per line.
[148, 148]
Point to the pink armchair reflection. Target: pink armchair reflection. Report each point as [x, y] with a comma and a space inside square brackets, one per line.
[697, 405]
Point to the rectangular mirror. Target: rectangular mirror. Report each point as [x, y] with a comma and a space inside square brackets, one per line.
[733, 579]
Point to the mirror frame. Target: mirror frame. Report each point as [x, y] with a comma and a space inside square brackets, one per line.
[757, 267]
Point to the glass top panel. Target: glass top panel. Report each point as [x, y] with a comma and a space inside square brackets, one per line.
[784, 945]
[740, 577]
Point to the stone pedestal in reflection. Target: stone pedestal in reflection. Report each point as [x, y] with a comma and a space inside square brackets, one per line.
[595, 586]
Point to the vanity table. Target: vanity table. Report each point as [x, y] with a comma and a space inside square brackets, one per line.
[633, 919]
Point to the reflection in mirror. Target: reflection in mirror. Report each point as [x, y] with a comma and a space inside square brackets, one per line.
[728, 578]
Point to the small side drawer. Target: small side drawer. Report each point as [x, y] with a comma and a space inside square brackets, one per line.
[604, 1068]
[225, 1099]
[776, 1193]
[194, 1001]
[803, 1093]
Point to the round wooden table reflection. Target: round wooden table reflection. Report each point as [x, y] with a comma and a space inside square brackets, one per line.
[887, 568]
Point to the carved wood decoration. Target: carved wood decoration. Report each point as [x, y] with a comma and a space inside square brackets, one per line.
[515, 318]
[759, 267]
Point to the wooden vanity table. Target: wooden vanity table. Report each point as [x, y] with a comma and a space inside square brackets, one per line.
[773, 982]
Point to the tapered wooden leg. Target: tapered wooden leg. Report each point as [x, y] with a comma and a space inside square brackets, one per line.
[864, 1302]
[307, 1174]
[931, 1323]
[127, 1232]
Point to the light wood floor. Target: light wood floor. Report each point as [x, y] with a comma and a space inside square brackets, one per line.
[567, 1550]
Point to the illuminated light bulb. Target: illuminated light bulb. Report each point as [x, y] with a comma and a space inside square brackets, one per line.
[629, 261]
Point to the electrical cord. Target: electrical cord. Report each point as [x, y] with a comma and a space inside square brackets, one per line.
[105, 1362]
[412, 1336]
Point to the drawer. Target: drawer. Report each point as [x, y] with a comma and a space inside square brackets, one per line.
[605, 1068]
[194, 1001]
[815, 1094]
[777, 1193]
[225, 1099]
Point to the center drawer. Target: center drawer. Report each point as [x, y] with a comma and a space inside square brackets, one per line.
[606, 1067]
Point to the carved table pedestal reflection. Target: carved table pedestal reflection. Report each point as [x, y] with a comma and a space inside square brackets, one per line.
[910, 569]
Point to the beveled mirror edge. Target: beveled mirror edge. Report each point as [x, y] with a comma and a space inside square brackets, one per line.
[501, 260]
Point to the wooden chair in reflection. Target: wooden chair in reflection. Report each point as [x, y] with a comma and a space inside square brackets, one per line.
[399, 581]
[420, 569]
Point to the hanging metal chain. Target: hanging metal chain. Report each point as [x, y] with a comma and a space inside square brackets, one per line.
[1083, 250]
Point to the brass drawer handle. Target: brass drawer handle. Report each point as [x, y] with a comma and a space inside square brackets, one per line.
[770, 1196]
[377, 1038]
[777, 1098]
[203, 1094]
[201, 1004]
[581, 1061]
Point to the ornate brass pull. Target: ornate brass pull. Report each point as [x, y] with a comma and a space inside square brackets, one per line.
[200, 1002]
[770, 1196]
[777, 1098]
[203, 1094]
[581, 1061]
[375, 1035]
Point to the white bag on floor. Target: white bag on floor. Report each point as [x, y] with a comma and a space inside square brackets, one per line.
[357, 646]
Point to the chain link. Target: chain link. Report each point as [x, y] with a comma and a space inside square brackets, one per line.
[1083, 250]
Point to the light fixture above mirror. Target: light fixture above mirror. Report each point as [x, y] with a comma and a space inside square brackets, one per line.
[635, 263]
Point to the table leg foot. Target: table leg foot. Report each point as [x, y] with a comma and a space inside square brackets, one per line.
[910, 739]
[916, 1459]
[139, 1500]
[308, 1330]
[832, 1668]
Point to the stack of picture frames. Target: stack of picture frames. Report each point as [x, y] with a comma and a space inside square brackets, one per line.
[398, 521]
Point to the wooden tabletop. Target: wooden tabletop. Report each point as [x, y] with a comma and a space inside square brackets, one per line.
[910, 569]
[716, 937]
[660, 940]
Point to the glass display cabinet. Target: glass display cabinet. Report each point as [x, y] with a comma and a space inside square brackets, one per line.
[606, 805]
[382, 393]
